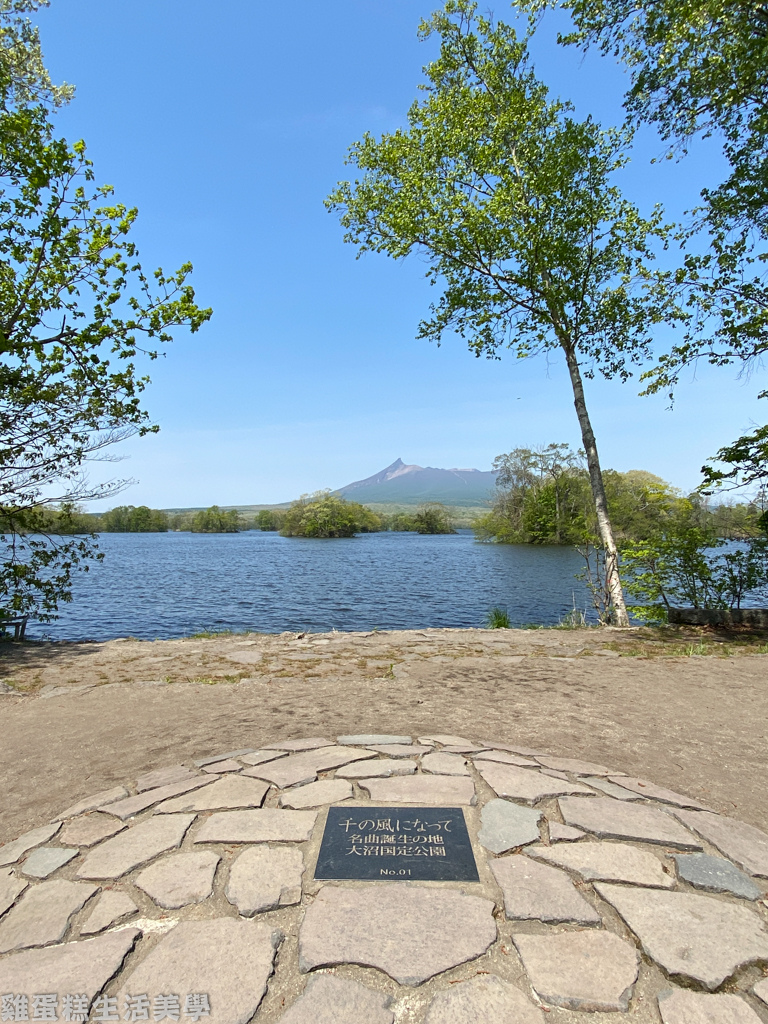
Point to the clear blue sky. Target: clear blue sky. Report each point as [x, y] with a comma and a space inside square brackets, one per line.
[227, 127]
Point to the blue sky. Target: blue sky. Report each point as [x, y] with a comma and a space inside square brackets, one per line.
[227, 129]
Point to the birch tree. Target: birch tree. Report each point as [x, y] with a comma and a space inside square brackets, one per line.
[512, 202]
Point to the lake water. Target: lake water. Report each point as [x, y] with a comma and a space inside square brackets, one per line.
[161, 585]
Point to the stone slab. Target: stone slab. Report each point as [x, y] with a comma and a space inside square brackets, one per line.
[11, 887]
[609, 862]
[203, 761]
[442, 763]
[266, 825]
[761, 990]
[434, 790]
[699, 937]
[90, 829]
[164, 777]
[614, 819]
[368, 739]
[462, 748]
[14, 851]
[82, 967]
[180, 879]
[230, 959]
[326, 791]
[538, 892]
[124, 809]
[524, 784]
[611, 789]
[682, 1006]
[328, 999]
[264, 877]
[135, 846]
[554, 774]
[564, 833]
[423, 931]
[713, 874]
[590, 971]
[381, 767]
[448, 740]
[303, 767]
[399, 749]
[653, 792]
[90, 803]
[309, 744]
[222, 767]
[744, 844]
[572, 765]
[112, 907]
[227, 793]
[262, 756]
[43, 861]
[484, 999]
[43, 914]
[506, 826]
[504, 757]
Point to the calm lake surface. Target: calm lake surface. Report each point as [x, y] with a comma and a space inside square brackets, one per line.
[162, 585]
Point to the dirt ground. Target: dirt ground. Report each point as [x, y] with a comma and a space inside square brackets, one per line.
[684, 709]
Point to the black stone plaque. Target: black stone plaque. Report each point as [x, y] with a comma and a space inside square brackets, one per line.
[396, 843]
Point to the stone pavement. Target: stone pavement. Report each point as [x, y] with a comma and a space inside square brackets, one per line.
[189, 894]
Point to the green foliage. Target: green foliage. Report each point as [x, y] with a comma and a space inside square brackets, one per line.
[326, 515]
[268, 520]
[432, 517]
[498, 619]
[213, 520]
[130, 519]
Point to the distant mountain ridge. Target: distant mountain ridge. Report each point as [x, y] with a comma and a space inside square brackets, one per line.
[411, 485]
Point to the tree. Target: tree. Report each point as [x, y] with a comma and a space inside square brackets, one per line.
[76, 309]
[432, 517]
[325, 515]
[512, 203]
[129, 519]
[213, 520]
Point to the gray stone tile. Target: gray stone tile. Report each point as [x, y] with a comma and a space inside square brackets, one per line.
[681, 1006]
[10, 888]
[611, 789]
[262, 756]
[555, 774]
[90, 829]
[265, 877]
[513, 748]
[231, 792]
[43, 861]
[222, 767]
[610, 862]
[761, 990]
[563, 833]
[82, 967]
[744, 844]
[484, 999]
[164, 777]
[90, 803]
[524, 784]
[427, 930]
[699, 937]
[399, 749]
[437, 790]
[713, 874]
[328, 999]
[506, 826]
[572, 765]
[14, 851]
[228, 958]
[381, 768]
[447, 740]
[43, 914]
[368, 739]
[537, 892]
[180, 879]
[589, 971]
[308, 744]
[204, 761]
[136, 846]
[613, 819]
[504, 757]
[462, 748]
[653, 792]
[266, 825]
[112, 907]
[326, 791]
[442, 763]
[303, 767]
[133, 805]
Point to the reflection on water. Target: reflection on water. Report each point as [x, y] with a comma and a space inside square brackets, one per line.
[172, 584]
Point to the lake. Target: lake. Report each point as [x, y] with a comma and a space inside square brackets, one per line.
[163, 585]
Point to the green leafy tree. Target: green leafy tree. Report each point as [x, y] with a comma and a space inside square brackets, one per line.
[268, 519]
[432, 517]
[131, 519]
[326, 515]
[512, 203]
[214, 520]
[76, 309]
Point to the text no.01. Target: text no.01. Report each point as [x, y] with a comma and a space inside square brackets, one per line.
[396, 843]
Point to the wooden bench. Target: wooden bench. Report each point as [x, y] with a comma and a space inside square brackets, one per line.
[19, 626]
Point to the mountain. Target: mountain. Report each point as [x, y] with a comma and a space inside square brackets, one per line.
[411, 485]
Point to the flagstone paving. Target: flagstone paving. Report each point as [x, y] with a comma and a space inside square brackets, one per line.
[192, 898]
